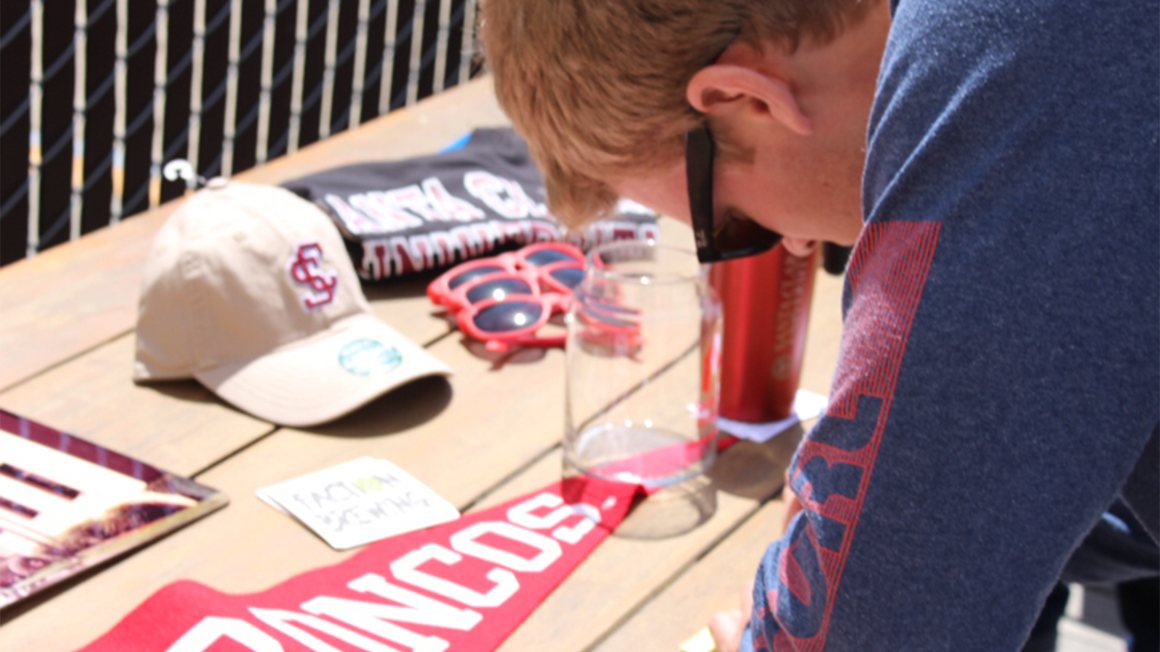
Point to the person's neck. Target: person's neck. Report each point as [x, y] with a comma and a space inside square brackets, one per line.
[835, 82]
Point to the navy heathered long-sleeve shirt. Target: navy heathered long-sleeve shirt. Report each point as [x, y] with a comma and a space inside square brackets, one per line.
[999, 374]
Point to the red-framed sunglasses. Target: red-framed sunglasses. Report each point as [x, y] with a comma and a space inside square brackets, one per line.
[545, 266]
[505, 300]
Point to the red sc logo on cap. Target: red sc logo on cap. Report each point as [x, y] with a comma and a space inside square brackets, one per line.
[306, 268]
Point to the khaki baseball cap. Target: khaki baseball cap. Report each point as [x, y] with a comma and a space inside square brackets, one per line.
[249, 289]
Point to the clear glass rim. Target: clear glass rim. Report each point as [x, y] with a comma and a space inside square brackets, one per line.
[672, 277]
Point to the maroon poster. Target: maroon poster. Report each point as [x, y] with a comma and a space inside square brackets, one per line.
[463, 585]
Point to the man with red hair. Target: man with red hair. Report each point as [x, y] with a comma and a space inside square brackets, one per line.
[992, 427]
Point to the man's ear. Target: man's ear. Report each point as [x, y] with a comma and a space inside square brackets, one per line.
[720, 89]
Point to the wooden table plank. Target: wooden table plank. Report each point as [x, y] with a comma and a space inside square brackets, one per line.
[461, 436]
[713, 584]
[178, 426]
[628, 568]
[72, 297]
[78, 295]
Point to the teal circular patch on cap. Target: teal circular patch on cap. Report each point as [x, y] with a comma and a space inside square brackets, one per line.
[366, 357]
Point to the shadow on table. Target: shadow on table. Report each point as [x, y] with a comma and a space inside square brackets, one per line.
[186, 389]
[404, 408]
[500, 359]
[412, 285]
[746, 469]
[757, 471]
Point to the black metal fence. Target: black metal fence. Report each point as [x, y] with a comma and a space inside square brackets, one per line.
[97, 96]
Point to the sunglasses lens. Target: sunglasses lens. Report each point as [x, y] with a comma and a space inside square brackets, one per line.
[742, 236]
[511, 316]
[569, 276]
[497, 289]
[470, 274]
[545, 256]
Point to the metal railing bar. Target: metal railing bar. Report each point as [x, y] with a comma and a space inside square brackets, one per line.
[328, 69]
[467, 46]
[416, 51]
[282, 144]
[373, 76]
[399, 97]
[197, 50]
[121, 101]
[387, 61]
[223, 86]
[58, 225]
[15, 30]
[76, 199]
[69, 135]
[299, 72]
[268, 81]
[354, 116]
[229, 122]
[340, 60]
[428, 55]
[317, 26]
[246, 122]
[98, 172]
[269, 22]
[65, 57]
[422, 58]
[441, 39]
[299, 60]
[160, 83]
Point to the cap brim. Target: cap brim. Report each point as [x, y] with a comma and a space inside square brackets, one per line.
[325, 377]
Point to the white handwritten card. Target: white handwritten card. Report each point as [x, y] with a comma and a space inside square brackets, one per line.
[360, 501]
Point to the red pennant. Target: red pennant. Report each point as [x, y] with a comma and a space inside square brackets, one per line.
[464, 585]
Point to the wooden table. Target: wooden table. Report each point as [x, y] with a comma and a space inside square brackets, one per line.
[489, 434]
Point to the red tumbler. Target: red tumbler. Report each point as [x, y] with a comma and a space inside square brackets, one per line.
[765, 301]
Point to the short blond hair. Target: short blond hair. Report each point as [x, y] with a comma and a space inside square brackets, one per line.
[597, 87]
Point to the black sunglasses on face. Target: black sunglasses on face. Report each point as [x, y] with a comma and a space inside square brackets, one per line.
[734, 237]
